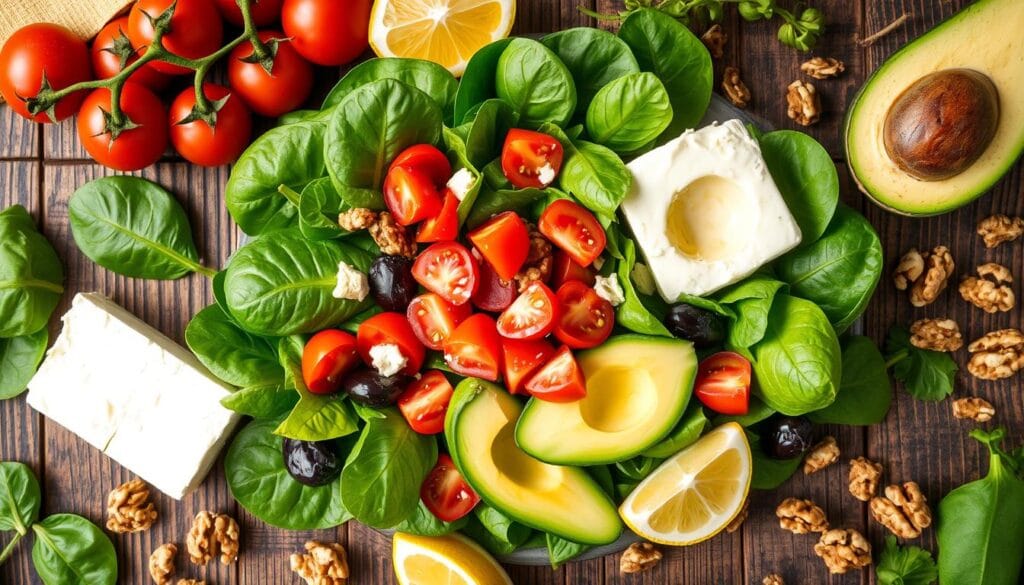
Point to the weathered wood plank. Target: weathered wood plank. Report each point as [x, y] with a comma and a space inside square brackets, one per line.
[19, 138]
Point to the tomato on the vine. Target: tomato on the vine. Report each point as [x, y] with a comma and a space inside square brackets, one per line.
[445, 493]
[263, 12]
[131, 149]
[425, 402]
[585, 319]
[571, 227]
[39, 51]
[111, 45]
[391, 328]
[723, 383]
[327, 357]
[195, 31]
[283, 89]
[559, 380]
[202, 144]
[328, 32]
[531, 159]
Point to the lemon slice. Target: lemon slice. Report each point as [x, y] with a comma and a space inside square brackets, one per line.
[447, 32]
[448, 560]
[696, 493]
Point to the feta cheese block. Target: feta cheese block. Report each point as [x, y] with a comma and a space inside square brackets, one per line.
[705, 211]
[134, 394]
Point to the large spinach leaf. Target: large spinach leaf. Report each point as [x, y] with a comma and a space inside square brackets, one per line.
[596, 176]
[806, 177]
[535, 82]
[31, 275]
[864, 390]
[751, 303]
[477, 83]
[632, 314]
[70, 550]
[19, 497]
[926, 374]
[233, 354]
[594, 57]
[629, 113]
[315, 417]
[19, 359]
[267, 401]
[427, 76]
[485, 134]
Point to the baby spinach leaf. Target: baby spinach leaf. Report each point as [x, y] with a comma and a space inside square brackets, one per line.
[806, 177]
[70, 550]
[495, 531]
[427, 76]
[864, 390]
[19, 360]
[217, 284]
[629, 113]
[19, 497]
[535, 82]
[595, 176]
[31, 275]
[315, 417]
[769, 473]
[632, 314]
[477, 83]
[231, 353]
[690, 427]
[751, 303]
[927, 375]
[594, 57]
[485, 135]
[261, 402]
[909, 565]
[459, 160]
[319, 207]
[422, 522]
[561, 550]
[492, 202]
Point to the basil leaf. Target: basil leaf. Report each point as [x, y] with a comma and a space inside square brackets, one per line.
[427, 76]
[686, 432]
[19, 497]
[594, 57]
[70, 550]
[806, 176]
[261, 402]
[927, 375]
[909, 565]
[422, 522]
[477, 83]
[865, 393]
[629, 113]
[632, 314]
[231, 353]
[31, 275]
[532, 79]
[315, 417]
[561, 550]
[19, 360]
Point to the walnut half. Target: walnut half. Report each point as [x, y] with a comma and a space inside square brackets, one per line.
[864, 477]
[821, 456]
[974, 408]
[996, 229]
[639, 557]
[803, 103]
[212, 535]
[936, 335]
[903, 510]
[997, 355]
[773, 579]
[129, 508]
[938, 268]
[843, 550]
[801, 516]
[734, 88]
[714, 39]
[990, 291]
[822, 67]
[161, 563]
[322, 564]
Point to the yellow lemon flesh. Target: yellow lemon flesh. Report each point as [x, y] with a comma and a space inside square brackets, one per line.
[444, 560]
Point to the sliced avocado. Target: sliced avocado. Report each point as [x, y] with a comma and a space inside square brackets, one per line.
[637, 390]
[942, 120]
[565, 501]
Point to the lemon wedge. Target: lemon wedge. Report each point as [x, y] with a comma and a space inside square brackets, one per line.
[446, 32]
[451, 560]
[696, 493]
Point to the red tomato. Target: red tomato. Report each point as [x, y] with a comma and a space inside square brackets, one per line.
[723, 383]
[107, 48]
[391, 328]
[574, 229]
[445, 225]
[133, 149]
[284, 89]
[566, 269]
[39, 50]
[445, 493]
[474, 349]
[201, 144]
[410, 195]
[196, 30]
[585, 319]
[559, 380]
[531, 159]
[326, 359]
[448, 269]
[425, 403]
[521, 359]
[532, 315]
[426, 159]
[504, 241]
[328, 32]
[263, 12]
[433, 319]
[494, 294]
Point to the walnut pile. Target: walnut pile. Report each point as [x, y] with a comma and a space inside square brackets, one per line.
[129, 508]
[843, 550]
[997, 229]
[925, 274]
[322, 564]
[903, 510]
[801, 516]
[539, 261]
[392, 238]
[803, 103]
[161, 563]
[990, 291]
[821, 456]
[974, 408]
[734, 88]
[864, 477]
[639, 557]
[936, 335]
[822, 67]
[997, 355]
[714, 39]
[212, 535]
[740, 517]
[773, 579]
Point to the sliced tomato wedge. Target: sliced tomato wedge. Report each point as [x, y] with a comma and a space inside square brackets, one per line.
[558, 380]
[433, 319]
[327, 358]
[410, 195]
[427, 159]
[445, 493]
[566, 269]
[494, 294]
[449, 270]
[531, 159]
[723, 383]
[445, 225]
[425, 402]
[574, 229]
[393, 328]
[521, 359]
[532, 315]
[474, 349]
[585, 319]
[504, 241]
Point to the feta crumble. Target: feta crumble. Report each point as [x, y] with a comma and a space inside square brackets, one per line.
[546, 174]
[387, 359]
[352, 284]
[461, 182]
[609, 289]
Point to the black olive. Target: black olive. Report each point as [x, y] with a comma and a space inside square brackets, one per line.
[313, 463]
[391, 282]
[366, 386]
[703, 328]
[786, 437]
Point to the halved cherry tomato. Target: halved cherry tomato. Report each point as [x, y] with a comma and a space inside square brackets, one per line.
[559, 380]
[504, 241]
[445, 493]
[449, 270]
[474, 349]
[566, 269]
[196, 30]
[327, 358]
[410, 195]
[445, 225]
[425, 402]
[532, 315]
[585, 319]
[426, 159]
[433, 319]
[494, 294]
[392, 328]
[723, 383]
[574, 229]
[521, 359]
[531, 159]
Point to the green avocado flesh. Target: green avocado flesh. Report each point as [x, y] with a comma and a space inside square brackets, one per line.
[637, 390]
[565, 501]
[985, 38]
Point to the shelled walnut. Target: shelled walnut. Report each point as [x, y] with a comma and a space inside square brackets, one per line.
[639, 557]
[823, 454]
[936, 335]
[823, 67]
[740, 518]
[990, 291]
[997, 229]
[161, 563]
[392, 238]
[903, 510]
[773, 579]
[974, 408]
[801, 516]
[191, 582]
[843, 550]
[864, 477]
[212, 535]
[714, 39]
[322, 564]
[997, 355]
[936, 268]
[539, 260]
[803, 103]
[734, 88]
[129, 508]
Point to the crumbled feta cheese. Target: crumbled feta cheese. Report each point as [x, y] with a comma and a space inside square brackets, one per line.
[352, 284]
[609, 289]
[546, 174]
[387, 359]
[461, 182]
[643, 278]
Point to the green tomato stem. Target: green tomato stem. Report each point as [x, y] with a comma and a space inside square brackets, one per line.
[9, 549]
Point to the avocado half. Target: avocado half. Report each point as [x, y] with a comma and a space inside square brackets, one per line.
[985, 38]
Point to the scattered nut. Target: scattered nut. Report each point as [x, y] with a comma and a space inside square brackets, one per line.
[539, 261]
[997, 355]
[910, 268]
[932, 279]
[773, 579]
[822, 67]
[191, 582]
[843, 549]
[129, 508]
[359, 218]
[864, 477]
[393, 239]
[936, 335]
[740, 517]
[974, 408]
[801, 516]
[322, 564]
[804, 105]
[161, 563]
[990, 291]
[211, 535]
[997, 229]
[821, 456]
[903, 510]
[714, 39]
[734, 88]
[639, 557]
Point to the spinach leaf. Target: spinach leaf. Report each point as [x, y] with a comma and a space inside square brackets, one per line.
[217, 284]
[319, 207]
[751, 303]
[864, 390]
[297, 116]
[459, 160]
[594, 57]
[260, 402]
[492, 202]
[769, 473]
[595, 176]
[19, 359]
[422, 522]
[495, 531]
[602, 475]
[561, 550]
[427, 76]
[231, 353]
[30, 275]
[477, 84]
[315, 417]
[632, 314]
[927, 375]
[70, 550]
[638, 467]
[629, 113]
[909, 565]
[806, 177]
[690, 427]
[485, 135]
[535, 82]
[19, 497]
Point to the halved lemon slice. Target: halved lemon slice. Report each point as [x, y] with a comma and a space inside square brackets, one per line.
[447, 32]
[694, 494]
[451, 560]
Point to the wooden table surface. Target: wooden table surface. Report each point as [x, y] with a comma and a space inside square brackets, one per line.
[42, 165]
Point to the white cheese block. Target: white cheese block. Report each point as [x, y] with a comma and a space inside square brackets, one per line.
[133, 393]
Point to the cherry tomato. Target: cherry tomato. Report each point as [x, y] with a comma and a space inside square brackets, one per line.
[559, 380]
[445, 225]
[263, 12]
[504, 241]
[108, 46]
[327, 358]
[566, 269]
[531, 159]
[574, 229]
[474, 348]
[410, 195]
[133, 149]
[433, 319]
[284, 89]
[532, 315]
[196, 30]
[37, 51]
[445, 493]
[448, 269]
[328, 32]
[427, 159]
[425, 402]
[391, 328]
[494, 294]
[723, 383]
[585, 319]
[521, 359]
[201, 144]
